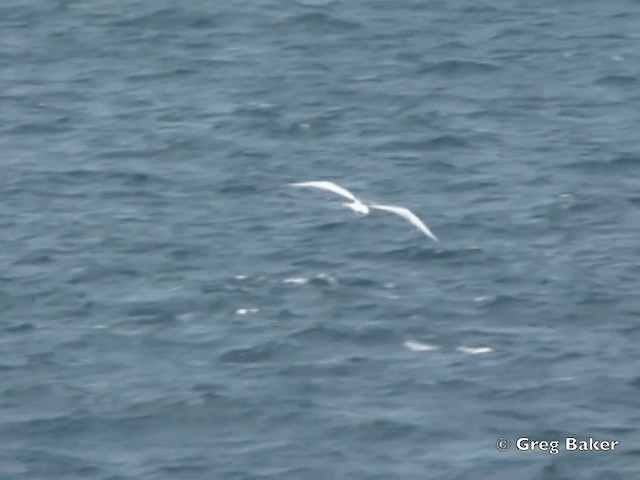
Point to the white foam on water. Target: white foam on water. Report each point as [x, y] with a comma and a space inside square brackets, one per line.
[482, 298]
[296, 280]
[416, 346]
[475, 351]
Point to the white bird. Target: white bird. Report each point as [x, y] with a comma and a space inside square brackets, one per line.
[361, 208]
[409, 216]
[354, 204]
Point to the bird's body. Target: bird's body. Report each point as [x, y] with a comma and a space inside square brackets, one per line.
[360, 208]
[354, 203]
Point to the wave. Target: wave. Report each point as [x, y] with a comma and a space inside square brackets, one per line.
[441, 142]
[617, 80]
[622, 163]
[458, 67]
[319, 23]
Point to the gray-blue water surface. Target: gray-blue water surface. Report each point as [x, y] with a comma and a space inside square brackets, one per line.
[172, 309]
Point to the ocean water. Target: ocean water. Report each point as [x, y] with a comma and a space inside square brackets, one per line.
[171, 309]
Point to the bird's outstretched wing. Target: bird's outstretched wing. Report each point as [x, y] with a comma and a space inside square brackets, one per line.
[409, 216]
[329, 186]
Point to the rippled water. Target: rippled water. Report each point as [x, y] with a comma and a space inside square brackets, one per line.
[172, 309]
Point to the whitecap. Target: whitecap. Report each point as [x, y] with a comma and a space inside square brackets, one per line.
[475, 351]
[186, 316]
[296, 280]
[416, 346]
[481, 298]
